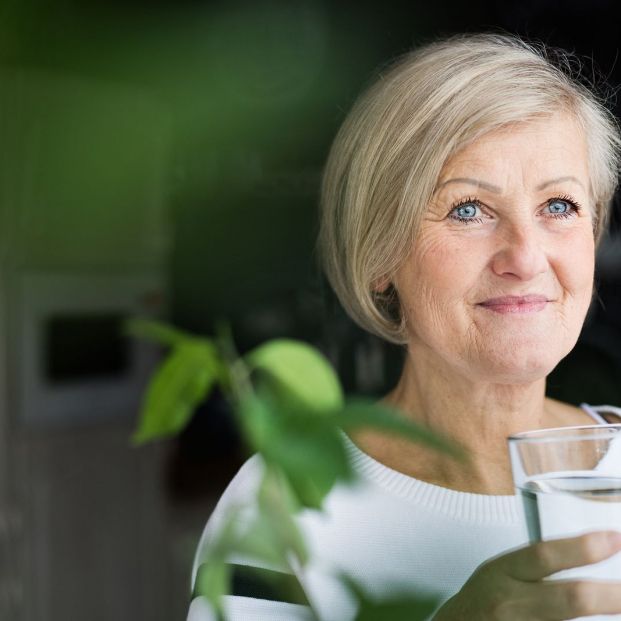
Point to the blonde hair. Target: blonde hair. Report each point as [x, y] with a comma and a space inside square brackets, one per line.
[388, 154]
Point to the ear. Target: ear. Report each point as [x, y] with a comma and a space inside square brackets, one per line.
[381, 284]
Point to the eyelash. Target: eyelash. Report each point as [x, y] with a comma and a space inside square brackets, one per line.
[575, 206]
[471, 200]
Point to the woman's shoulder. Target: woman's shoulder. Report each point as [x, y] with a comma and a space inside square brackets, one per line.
[238, 495]
[565, 414]
[245, 481]
[610, 414]
[254, 584]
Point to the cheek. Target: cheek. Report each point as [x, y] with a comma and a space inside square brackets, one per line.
[576, 265]
[436, 278]
[446, 267]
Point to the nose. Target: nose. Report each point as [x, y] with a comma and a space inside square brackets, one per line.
[521, 255]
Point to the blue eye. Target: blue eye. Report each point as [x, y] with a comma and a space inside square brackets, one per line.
[559, 206]
[466, 211]
[562, 207]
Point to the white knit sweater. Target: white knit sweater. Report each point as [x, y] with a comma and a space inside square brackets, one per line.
[389, 531]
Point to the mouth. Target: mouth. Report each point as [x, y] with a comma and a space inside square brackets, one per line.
[516, 304]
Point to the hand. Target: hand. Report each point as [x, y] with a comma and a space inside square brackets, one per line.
[511, 586]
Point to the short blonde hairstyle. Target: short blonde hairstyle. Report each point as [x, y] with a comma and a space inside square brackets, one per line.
[388, 154]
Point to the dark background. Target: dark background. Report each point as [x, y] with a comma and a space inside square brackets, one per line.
[255, 92]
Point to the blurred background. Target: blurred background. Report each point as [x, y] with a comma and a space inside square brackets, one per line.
[162, 159]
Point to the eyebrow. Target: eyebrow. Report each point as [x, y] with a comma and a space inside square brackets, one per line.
[544, 185]
[497, 190]
[480, 184]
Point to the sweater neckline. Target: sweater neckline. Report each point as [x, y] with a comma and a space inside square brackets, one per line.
[458, 505]
[466, 506]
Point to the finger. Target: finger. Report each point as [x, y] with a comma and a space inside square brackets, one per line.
[542, 559]
[568, 599]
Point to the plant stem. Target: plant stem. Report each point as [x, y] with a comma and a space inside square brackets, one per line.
[292, 569]
[238, 385]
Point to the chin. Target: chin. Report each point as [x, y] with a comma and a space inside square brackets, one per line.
[524, 357]
[516, 366]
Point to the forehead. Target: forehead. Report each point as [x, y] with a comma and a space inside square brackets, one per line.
[533, 150]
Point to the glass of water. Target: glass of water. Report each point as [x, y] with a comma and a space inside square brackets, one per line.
[569, 480]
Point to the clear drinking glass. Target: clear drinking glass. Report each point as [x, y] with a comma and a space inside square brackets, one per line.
[569, 480]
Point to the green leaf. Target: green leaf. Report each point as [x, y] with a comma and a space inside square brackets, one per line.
[313, 458]
[179, 385]
[262, 542]
[213, 581]
[397, 607]
[291, 418]
[158, 332]
[307, 448]
[259, 422]
[274, 537]
[364, 414]
[405, 608]
[303, 378]
[272, 534]
[277, 504]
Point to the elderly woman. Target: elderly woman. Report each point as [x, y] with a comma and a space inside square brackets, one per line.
[461, 206]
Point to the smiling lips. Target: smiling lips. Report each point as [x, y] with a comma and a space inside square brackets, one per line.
[516, 304]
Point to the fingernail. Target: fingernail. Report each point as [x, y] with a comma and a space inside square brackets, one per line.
[614, 538]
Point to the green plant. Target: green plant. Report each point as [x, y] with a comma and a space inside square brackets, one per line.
[290, 408]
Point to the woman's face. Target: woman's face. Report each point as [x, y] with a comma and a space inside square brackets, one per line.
[500, 277]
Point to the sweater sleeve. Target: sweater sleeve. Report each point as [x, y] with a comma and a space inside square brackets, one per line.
[249, 609]
[253, 596]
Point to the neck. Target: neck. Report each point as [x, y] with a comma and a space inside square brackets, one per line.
[477, 415]
[474, 413]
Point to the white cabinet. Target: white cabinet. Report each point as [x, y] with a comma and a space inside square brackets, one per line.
[84, 234]
[95, 512]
